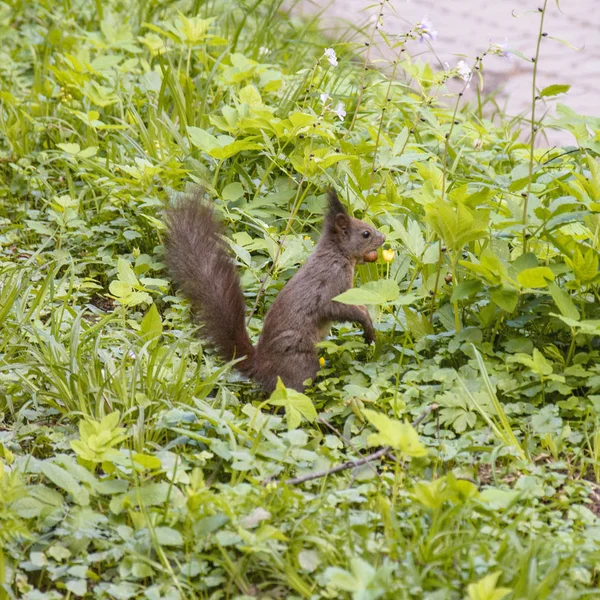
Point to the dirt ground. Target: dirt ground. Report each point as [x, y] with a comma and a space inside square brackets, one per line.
[465, 28]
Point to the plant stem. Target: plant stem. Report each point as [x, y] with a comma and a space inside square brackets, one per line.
[365, 69]
[533, 126]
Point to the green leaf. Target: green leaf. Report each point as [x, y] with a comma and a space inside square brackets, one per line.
[233, 148]
[78, 587]
[70, 148]
[538, 277]
[194, 30]
[297, 405]
[563, 302]
[373, 293]
[299, 119]
[65, 481]
[125, 272]
[147, 461]
[486, 588]
[505, 297]
[417, 323]
[431, 493]
[400, 436]
[167, 536]
[151, 326]
[251, 96]
[585, 266]
[466, 289]
[554, 90]
[232, 192]
[202, 139]
[119, 289]
[498, 499]
[537, 362]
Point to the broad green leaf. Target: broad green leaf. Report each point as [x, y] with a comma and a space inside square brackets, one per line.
[417, 323]
[232, 149]
[296, 404]
[400, 141]
[377, 292]
[299, 119]
[70, 148]
[125, 272]
[505, 297]
[233, 191]
[430, 493]
[486, 588]
[400, 436]
[147, 461]
[498, 499]
[585, 266]
[194, 29]
[202, 139]
[77, 587]
[151, 326]
[251, 96]
[88, 152]
[466, 289]
[588, 326]
[538, 277]
[554, 90]
[119, 288]
[537, 362]
[167, 536]
[65, 481]
[563, 302]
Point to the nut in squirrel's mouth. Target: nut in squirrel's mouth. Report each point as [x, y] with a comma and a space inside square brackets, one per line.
[370, 256]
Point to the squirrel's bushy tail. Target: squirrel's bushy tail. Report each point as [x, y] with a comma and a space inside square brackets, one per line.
[201, 267]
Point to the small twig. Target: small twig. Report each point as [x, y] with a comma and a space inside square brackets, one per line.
[352, 464]
[346, 441]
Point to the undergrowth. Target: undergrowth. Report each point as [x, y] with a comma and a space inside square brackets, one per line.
[133, 464]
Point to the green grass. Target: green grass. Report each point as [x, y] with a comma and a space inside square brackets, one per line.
[134, 464]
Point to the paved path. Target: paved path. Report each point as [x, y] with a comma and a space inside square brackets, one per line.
[466, 27]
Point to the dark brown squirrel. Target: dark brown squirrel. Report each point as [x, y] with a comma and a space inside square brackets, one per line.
[200, 265]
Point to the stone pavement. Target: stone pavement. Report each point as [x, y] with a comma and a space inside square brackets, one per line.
[465, 29]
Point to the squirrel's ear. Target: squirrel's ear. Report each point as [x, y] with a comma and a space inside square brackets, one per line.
[337, 218]
[335, 206]
[342, 221]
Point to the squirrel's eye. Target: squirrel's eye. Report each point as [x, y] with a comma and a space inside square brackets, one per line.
[366, 234]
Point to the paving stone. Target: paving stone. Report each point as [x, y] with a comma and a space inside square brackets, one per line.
[465, 29]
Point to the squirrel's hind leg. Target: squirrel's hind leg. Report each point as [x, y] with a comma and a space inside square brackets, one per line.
[294, 371]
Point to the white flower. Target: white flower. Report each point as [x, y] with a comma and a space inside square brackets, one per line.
[501, 50]
[263, 51]
[340, 112]
[464, 72]
[425, 29]
[331, 56]
[324, 97]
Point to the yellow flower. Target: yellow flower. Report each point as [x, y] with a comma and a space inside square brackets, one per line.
[322, 361]
[307, 237]
[388, 255]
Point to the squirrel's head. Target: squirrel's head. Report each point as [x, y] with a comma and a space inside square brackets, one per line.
[356, 239]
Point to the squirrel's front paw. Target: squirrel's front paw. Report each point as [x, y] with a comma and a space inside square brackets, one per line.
[369, 336]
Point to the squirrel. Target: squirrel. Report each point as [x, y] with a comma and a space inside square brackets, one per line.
[199, 263]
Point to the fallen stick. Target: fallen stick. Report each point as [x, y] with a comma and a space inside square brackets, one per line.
[351, 464]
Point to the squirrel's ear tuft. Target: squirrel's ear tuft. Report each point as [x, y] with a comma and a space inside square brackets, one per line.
[337, 219]
[335, 206]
